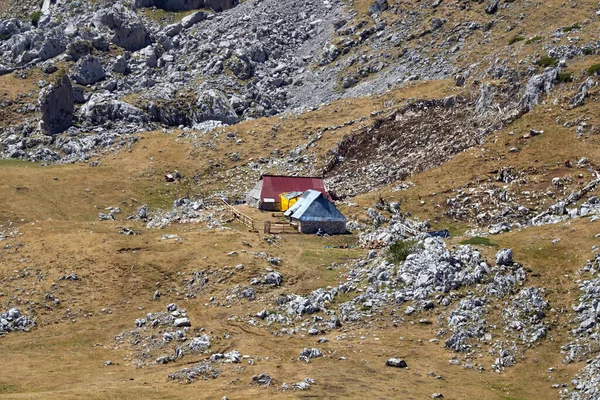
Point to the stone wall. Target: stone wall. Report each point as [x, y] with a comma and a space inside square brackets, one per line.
[329, 227]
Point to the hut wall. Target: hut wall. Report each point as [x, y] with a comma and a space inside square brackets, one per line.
[329, 227]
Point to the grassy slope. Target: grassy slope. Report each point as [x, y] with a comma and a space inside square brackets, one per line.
[64, 359]
[61, 236]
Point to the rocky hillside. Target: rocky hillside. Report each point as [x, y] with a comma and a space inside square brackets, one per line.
[140, 65]
[459, 138]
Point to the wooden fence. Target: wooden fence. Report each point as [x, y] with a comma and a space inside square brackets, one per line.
[279, 227]
[238, 215]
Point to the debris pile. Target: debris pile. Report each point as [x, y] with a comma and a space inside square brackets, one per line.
[14, 320]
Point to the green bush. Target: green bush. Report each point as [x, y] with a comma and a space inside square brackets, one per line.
[588, 51]
[571, 28]
[4, 37]
[533, 39]
[515, 39]
[547, 61]
[564, 77]
[479, 241]
[398, 252]
[594, 69]
[35, 17]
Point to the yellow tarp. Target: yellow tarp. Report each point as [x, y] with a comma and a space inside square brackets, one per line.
[285, 202]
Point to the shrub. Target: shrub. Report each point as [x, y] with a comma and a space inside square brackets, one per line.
[564, 77]
[533, 39]
[35, 17]
[515, 39]
[479, 241]
[398, 252]
[547, 61]
[594, 69]
[4, 37]
[571, 28]
[588, 51]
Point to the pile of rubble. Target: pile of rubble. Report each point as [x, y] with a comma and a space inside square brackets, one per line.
[184, 211]
[163, 337]
[431, 276]
[207, 368]
[585, 344]
[14, 320]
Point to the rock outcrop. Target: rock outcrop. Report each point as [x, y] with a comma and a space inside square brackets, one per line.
[88, 71]
[102, 108]
[213, 105]
[57, 105]
[128, 30]
[186, 5]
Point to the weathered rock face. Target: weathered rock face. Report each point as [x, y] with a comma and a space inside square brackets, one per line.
[220, 5]
[88, 71]
[57, 106]
[101, 108]
[213, 105]
[78, 49]
[186, 5]
[538, 84]
[129, 31]
[193, 19]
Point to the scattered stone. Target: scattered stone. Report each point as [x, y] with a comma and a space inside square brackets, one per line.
[396, 362]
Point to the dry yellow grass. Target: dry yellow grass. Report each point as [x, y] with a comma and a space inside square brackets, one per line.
[65, 359]
[64, 356]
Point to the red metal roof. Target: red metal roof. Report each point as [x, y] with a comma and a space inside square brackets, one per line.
[274, 185]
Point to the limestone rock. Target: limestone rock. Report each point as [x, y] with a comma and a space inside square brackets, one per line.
[214, 105]
[102, 108]
[538, 84]
[129, 31]
[88, 71]
[504, 257]
[396, 362]
[57, 105]
[186, 5]
[192, 19]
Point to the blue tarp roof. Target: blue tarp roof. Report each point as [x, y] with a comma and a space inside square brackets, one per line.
[313, 206]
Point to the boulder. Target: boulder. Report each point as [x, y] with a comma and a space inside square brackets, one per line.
[28, 47]
[538, 84]
[220, 5]
[10, 27]
[79, 95]
[120, 65]
[582, 93]
[396, 362]
[257, 52]
[492, 6]
[173, 29]
[182, 322]
[78, 49]
[170, 5]
[103, 108]
[274, 278]
[186, 5]
[485, 99]
[100, 43]
[88, 71]
[192, 19]
[213, 105]
[378, 6]
[149, 53]
[330, 53]
[504, 257]
[57, 105]
[128, 30]
[241, 66]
